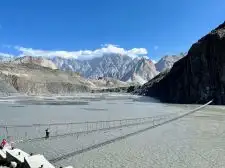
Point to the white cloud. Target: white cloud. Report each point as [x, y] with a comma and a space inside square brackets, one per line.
[83, 54]
[156, 47]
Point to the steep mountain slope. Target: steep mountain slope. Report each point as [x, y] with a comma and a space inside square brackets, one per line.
[167, 62]
[34, 79]
[5, 88]
[196, 78]
[35, 60]
[117, 66]
[141, 72]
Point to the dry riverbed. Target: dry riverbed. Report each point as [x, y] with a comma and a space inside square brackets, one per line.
[197, 140]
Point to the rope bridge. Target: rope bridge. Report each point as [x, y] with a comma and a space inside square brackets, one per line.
[65, 156]
[35, 132]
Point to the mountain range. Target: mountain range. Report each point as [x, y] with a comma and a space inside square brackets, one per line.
[122, 67]
[137, 70]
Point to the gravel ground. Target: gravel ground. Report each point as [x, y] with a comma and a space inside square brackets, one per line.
[195, 141]
[192, 142]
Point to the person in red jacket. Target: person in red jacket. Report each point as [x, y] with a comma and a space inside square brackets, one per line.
[3, 144]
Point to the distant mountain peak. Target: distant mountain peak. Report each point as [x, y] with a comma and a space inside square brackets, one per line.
[118, 66]
[167, 62]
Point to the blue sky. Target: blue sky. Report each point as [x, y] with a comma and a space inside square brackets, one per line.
[159, 26]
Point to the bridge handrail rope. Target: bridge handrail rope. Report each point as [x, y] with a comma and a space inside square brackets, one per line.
[150, 120]
[153, 119]
[75, 123]
[68, 155]
[135, 121]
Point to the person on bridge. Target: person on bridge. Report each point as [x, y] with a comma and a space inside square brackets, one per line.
[47, 133]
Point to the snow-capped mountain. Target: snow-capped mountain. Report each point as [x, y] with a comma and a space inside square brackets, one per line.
[122, 67]
[167, 62]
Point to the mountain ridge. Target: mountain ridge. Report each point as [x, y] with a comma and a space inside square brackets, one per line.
[132, 71]
[167, 62]
[196, 78]
[116, 66]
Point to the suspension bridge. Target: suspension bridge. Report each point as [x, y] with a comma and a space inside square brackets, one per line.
[34, 132]
[22, 134]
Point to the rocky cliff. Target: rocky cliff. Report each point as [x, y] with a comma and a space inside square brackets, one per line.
[196, 78]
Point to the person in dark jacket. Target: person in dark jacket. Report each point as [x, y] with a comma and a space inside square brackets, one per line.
[47, 133]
